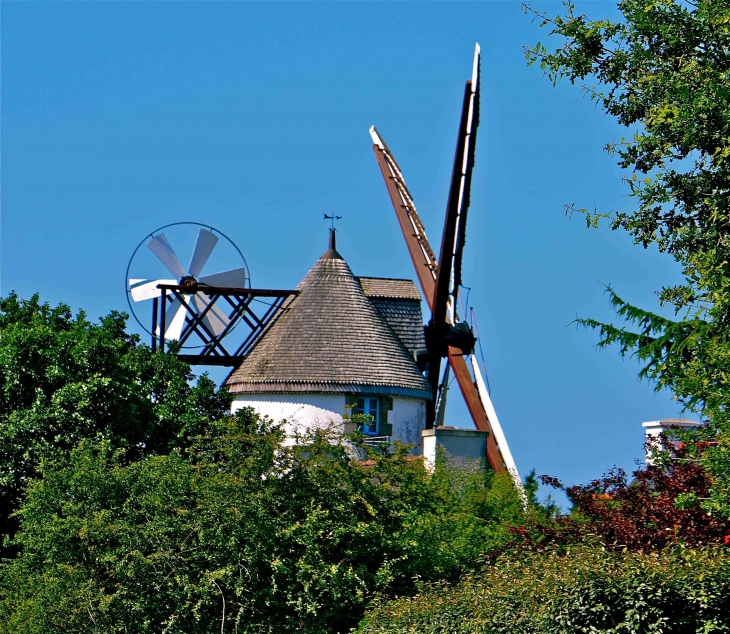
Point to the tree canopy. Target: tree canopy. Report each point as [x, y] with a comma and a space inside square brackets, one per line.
[64, 379]
[663, 72]
[241, 532]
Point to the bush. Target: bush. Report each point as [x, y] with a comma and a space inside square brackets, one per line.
[240, 533]
[586, 589]
[657, 508]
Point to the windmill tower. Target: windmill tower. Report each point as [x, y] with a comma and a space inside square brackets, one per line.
[343, 344]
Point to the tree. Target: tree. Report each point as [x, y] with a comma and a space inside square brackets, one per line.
[241, 532]
[664, 74]
[64, 379]
[640, 514]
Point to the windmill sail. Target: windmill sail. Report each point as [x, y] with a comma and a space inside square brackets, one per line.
[235, 278]
[440, 281]
[452, 242]
[405, 209]
[465, 172]
[162, 249]
[148, 290]
[215, 319]
[499, 436]
[175, 319]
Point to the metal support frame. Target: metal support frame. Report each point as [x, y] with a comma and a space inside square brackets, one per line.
[235, 303]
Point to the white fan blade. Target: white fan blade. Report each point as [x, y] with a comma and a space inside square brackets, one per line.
[203, 248]
[176, 324]
[215, 318]
[235, 278]
[136, 280]
[170, 311]
[162, 249]
[148, 290]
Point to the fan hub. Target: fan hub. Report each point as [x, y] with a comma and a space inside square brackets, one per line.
[441, 337]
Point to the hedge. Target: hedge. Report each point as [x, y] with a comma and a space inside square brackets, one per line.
[586, 589]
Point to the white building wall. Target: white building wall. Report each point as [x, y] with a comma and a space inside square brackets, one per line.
[654, 428]
[310, 410]
[301, 411]
[408, 418]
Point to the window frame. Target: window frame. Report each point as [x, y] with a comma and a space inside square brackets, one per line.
[367, 410]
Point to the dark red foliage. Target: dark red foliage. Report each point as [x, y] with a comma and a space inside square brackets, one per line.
[642, 514]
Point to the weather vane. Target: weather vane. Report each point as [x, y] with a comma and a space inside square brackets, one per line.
[332, 218]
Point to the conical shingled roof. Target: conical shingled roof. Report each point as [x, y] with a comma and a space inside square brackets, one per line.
[330, 339]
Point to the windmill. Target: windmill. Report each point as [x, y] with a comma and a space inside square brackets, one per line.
[186, 307]
[447, 335]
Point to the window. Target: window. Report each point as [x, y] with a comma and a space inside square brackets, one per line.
[369, 407]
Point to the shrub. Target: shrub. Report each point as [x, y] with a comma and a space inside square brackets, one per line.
[586, 589]
[657, 507]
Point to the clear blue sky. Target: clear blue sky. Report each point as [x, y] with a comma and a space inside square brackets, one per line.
[118, 118]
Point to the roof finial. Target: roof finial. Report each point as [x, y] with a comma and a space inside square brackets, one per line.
[333, 231]
[332, 218]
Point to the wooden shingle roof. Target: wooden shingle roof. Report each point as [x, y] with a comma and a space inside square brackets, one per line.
[331, 338]
[405, 318]
[389, 287]
[399, 303]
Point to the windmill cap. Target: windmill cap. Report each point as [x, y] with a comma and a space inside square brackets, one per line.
[330, 339]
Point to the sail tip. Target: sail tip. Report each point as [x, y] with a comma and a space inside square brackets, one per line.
[375, 137]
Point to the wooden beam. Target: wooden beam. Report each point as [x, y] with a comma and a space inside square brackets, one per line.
[474, 405]
[420, 262]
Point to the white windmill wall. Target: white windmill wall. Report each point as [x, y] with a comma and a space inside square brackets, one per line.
[312, 410]
[306, 411]
[408, 418]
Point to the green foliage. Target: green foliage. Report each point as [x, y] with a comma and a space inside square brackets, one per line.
[63, 379]
[241, 532]
[664, 73]
[586, 590]
[540, 511]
